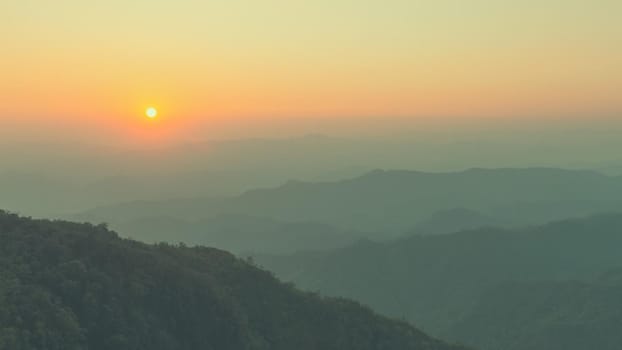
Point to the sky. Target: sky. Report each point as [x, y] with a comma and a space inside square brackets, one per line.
[208, 65]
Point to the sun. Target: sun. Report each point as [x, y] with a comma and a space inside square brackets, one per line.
[151, 112]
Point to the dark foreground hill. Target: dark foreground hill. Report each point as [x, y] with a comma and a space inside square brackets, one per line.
[77, 286]
[456, 285]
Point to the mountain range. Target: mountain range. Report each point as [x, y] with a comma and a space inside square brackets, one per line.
[387, 204]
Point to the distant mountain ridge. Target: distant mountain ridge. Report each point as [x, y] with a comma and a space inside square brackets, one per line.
[240, 233]
[389, 203]
[454, 220]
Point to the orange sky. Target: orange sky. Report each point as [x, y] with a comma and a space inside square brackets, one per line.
[199, 62]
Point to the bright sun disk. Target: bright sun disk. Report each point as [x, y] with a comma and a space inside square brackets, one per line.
[151, 112]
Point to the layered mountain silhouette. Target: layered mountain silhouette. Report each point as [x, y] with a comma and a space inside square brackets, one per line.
[454, 220]
[387, 204]
[240, 233]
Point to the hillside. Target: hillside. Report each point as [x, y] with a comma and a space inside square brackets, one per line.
[77, 286]
[547, 315]
[439, 282]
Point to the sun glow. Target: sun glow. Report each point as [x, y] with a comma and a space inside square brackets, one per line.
[151, 112]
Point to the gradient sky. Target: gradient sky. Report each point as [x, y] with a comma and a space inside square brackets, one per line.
[73, 61]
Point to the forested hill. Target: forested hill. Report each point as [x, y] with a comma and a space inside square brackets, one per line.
[536, 288]
[77, 286]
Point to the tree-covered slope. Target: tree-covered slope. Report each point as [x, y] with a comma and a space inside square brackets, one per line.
[546, 315]
[77, 286]
[440, 282]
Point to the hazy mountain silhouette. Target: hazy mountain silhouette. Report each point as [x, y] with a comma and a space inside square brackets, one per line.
[98, 175]
[75, 177]
[77, 286]
[440, 282]
[393, 202]
[454, 220]
[240, 233]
